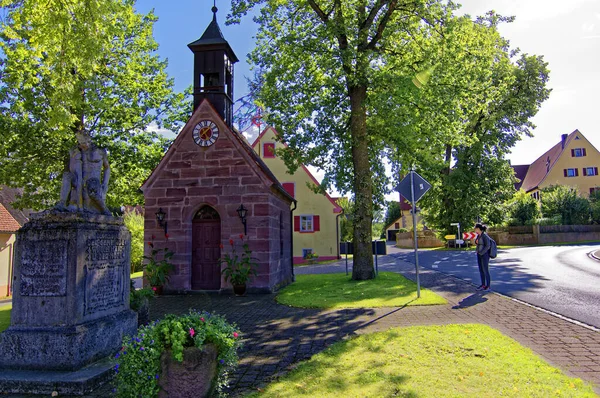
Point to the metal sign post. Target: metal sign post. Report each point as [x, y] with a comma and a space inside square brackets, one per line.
[414, 186]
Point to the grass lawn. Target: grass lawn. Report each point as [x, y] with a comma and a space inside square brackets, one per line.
[427, 361]
[5, 316]
[339, 291]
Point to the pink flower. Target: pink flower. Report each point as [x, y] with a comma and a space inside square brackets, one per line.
[192, 332]
[235, 335]
[202, 319]
[154, 288]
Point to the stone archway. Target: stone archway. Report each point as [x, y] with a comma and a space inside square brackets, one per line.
[206, 251]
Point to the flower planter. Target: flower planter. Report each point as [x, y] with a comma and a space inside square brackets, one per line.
[239, 290]
[194, 377]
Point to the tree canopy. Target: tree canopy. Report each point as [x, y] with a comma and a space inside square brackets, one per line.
[88, 66]
[351, 83]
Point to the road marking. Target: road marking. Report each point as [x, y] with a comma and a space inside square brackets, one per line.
[445, 259]
[437, 262]
[462, 265]
[434, 266]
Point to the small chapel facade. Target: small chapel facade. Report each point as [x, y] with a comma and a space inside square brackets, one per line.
[210, 176]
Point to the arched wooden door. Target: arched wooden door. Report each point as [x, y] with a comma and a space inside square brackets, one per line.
[206, 238]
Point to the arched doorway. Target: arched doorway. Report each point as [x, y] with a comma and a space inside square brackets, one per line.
[206, 238]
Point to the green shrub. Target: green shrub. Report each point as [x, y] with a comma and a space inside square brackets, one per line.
[138, 362]
[523, 209]
[565, 202]
[134, 222]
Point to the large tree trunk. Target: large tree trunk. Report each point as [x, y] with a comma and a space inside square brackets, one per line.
[363, 186]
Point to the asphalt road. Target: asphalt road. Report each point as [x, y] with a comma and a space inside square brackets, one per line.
[561, 279]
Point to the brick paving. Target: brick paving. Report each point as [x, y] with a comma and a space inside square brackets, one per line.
[277, 336]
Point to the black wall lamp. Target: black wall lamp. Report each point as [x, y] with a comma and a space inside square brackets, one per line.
[160, 217]
[242, 213]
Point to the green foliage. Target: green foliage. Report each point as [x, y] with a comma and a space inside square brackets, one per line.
[427, 361]
[595, 206]
[80, 66]
[138, 362]
[377, 230]
[564, 202]
[346, 226]
[137, 297]
[157, 270]
[523, 209]
[134, 222]
[239, 268]
[5, 312]
[338, 291]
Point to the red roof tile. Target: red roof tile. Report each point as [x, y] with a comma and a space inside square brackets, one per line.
[7, 222]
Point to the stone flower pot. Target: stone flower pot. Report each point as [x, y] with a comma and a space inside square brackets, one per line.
[239, 290]
[194, 377]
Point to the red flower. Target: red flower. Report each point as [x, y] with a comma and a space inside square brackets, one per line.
[221, 245]
[235, 335]
[231, 242]
[153, 237]
[150, 244]
[167, 236]
[242, 236]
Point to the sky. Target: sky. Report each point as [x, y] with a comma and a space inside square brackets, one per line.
[565, 32]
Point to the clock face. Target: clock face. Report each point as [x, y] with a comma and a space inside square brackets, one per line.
[205, 133]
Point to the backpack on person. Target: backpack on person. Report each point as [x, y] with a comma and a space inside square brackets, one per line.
[493, 248]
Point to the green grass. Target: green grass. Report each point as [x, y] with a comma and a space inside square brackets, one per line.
[339, 291]
[427, 361]
[5, 316]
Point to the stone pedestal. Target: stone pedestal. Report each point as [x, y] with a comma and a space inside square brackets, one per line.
[71, 298]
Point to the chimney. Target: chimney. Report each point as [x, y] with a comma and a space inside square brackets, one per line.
[564, 140]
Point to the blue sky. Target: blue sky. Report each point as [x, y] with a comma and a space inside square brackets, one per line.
[567, 33]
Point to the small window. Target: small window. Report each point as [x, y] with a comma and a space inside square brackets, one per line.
[306, 252]
[578, 152]
[590, 171]
[306, 223]
[397, 225]
[536, 195]
[571, 172]
[269, 150]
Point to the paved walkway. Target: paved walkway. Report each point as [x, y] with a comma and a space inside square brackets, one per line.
[277, 336]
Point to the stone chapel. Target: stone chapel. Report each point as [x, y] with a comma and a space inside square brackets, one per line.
[195, 199]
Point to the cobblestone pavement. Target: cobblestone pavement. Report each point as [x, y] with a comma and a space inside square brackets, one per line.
[277, 336]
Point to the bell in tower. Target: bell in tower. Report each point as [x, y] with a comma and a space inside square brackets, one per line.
[213, 70]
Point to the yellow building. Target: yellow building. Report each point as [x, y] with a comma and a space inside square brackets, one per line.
[316, 227]
[574, 162]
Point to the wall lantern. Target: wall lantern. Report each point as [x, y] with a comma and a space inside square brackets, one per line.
[242, 213]
[160, 217]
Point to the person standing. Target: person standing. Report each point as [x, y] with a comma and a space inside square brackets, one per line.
[483, 256]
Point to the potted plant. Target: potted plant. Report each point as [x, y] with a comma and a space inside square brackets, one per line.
[157, 271]
[165, 355]
[138, 302]
[239, 268]
[312, 258]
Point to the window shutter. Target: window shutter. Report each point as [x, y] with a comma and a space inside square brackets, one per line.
[565, 171]
[576, 172]
[317, 223]
[595, 171]
[572, 153]
[289, 188]
[584, 171]
[296, 223]
[583, 151]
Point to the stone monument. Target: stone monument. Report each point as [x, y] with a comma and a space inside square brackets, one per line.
[71, 278]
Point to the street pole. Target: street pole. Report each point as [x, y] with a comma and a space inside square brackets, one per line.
[414, 217]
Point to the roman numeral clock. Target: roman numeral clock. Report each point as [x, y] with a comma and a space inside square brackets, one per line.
[205, 133]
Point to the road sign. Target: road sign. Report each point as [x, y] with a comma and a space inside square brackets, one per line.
[448, 237]
[459, 241]
[420, 184]
[469, 235]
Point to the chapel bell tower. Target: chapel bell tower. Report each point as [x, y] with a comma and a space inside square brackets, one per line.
[213, 70]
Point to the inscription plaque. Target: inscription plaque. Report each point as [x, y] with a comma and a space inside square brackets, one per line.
[105, 262]
[44, 269]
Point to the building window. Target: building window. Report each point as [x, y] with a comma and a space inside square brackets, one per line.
[290, 188]
[306, 252]
[571, 172]
[577, 152]
[307, 223]
[536, 195]
[397, 225]
[269, 150]
[590, 171]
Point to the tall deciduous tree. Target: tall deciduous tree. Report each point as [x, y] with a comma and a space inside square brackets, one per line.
[79, 65]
